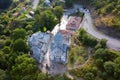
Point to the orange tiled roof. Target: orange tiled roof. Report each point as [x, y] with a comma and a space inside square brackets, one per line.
[73, 23]
[15, 14]
[66, 32]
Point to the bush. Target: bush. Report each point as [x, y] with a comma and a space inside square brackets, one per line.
[20, 46]
[2, 75]
[28, 27]
[7, 32]
[8, 42]
[89, 76]
[103, 54]
[109, 67]
[87, 39]
[2, 43]
[103, 43]
[98, 46]
[104, 75]
[6, 49]
[18, 33]
[3, 37]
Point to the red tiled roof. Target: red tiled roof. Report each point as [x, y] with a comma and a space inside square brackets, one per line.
[73, 23]
[66, 32]
[16, 14]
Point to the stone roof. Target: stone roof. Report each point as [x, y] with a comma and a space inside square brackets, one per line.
[58, 48]
[38, 43]
[66, 32]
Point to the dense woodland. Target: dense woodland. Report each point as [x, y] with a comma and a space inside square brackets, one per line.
[16, 64]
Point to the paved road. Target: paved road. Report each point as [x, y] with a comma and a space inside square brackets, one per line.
[87, 24]
[35, 4]
[89, 27]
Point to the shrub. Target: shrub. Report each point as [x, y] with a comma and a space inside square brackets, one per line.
[8, 42]
[89, 76]
[20, 45]
[6, 49]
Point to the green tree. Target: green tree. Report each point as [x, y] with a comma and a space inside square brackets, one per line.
[89, 76]
[58, 11]
[11, 58]
[20, 45]
[104, 75]
[28, 27]
[25, 68]
[1, 28]
[94, 70]
[42, 76]
[102, 54]
[2, 43]
[2, 75]
[82, 32]
[117, 68]
[98, 46]
[18, 33]
[6, 50]
[47, 19]
[8, 42]
[59, 77]
[99, 62]
[91, 41]
[109, 67]
[86, 39]
[103, 42]
[7, 32]
[3, 61]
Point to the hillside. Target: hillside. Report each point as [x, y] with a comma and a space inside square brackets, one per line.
[56, 40]
[107, 16]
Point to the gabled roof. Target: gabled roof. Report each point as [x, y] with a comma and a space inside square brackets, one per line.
[73, 23]
[58, 47]
[38, 43]
[66, 32]
[58, 37]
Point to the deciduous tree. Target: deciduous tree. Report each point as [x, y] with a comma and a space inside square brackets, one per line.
[20, 46]
[25, 68]
[109, 67]
[58, 11]
[18, 33]
[47, 19]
